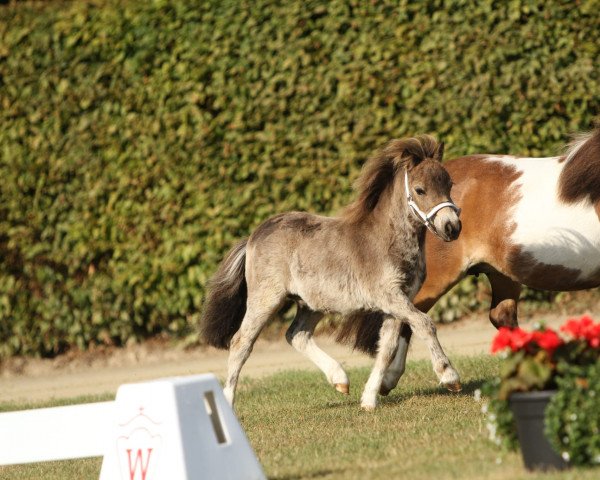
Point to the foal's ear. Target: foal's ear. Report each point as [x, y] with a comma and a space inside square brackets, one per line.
[439, 153]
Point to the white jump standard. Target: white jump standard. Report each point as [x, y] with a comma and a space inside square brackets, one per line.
[175, 428]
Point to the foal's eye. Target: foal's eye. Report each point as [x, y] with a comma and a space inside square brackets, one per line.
[419, 191]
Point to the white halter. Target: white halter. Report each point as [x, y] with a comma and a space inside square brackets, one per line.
[426, 217]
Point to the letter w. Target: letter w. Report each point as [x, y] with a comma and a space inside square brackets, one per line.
[138, 459]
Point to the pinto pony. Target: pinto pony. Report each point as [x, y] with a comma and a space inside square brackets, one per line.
[369, 259]
[526, 221]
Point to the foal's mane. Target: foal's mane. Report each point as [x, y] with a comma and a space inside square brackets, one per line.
[580, 177]
[379, 171]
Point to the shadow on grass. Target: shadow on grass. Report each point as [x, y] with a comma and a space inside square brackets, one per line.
[316, 474]
[399, 396]
[468, 389]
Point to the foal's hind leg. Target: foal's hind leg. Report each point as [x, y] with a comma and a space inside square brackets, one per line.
[300, 336]
[398, 365]
[260, 308]
[388, 343]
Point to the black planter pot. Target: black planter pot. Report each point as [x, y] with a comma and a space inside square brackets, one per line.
[528, 409]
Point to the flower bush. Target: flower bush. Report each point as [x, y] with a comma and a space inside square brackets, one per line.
[567, 361]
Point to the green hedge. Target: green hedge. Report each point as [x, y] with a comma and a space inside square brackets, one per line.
[139, 139]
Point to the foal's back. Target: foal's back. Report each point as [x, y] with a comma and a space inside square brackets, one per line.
[325, 261]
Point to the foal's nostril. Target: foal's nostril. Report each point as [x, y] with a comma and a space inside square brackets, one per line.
[452, 230]
[448, 229]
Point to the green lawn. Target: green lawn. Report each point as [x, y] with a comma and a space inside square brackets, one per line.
[301, 428]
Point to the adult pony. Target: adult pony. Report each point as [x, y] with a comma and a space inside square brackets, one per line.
[369, 259]
[526, 221]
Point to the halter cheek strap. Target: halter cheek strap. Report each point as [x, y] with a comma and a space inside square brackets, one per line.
[426, 218]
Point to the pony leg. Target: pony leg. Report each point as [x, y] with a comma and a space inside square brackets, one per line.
[505, 295]
[300, 336]
[258, 313]
[398, 365]
[388, 343]
[426, 298]
[423, 327]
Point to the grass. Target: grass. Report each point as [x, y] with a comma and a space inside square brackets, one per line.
[300, 428]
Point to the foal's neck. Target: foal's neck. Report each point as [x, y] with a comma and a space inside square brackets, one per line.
[395, 221]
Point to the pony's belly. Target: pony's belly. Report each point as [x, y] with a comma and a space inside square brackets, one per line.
[563, 246]
[555, 245]
[563, 259]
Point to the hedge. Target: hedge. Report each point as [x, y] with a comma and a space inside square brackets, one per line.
[140, 139]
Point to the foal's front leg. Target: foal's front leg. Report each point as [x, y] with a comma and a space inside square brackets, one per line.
[423, 327]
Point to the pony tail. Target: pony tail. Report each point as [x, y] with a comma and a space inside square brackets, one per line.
[225, 305]
[361, 330]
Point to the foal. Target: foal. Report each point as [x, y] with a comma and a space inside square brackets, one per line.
[369, 259]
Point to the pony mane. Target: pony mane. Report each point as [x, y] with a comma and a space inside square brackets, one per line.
[380, 169]
[576, 143]
[580, 177]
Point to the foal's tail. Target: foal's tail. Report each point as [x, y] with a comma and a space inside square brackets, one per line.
[225, 305]
[361, 330]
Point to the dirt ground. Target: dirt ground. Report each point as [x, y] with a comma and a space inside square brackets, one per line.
[102, 371]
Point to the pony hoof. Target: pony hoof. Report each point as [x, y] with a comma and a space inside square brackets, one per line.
[367, 408]
[454, 387]
[384, 391]
[343, 388]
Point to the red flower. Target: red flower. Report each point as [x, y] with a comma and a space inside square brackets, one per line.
[547, 340]
[592, 335]
[520, 339]
[517, 339]
[577, 327]
[583, 328]
[514, 338]
[502, 339]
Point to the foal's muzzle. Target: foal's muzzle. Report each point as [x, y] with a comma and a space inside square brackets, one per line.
[452, 230]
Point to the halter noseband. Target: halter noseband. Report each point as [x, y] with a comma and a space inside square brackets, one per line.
[426, 217]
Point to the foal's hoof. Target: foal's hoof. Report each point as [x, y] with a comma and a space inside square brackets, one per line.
[367, 408]
[343, 388]
[384, 391]
[454, 387]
